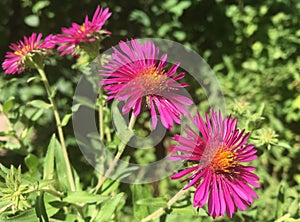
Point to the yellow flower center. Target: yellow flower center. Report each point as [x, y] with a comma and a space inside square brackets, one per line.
[23, 50]
[82, 28]
[224, 160]
[151, 80]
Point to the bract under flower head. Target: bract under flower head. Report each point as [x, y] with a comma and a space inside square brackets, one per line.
[135, 72]
[31, 48]
[215, 151]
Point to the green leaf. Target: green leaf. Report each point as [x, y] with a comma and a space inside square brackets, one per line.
[294, 207]
[32, 162]
[257, 48]
[76, 180]
[32, 20]
[286, 218]
[4, 205]
[8, 104]
[139, 192]
[284, 145]
[45, 184]
[109, 186]
[250, 29]
[250, 65]
[296, 102]
[25, 132]
[141, 17]
[9, 145]
[49, 160]
[7, 133]
[155, 202]
[33, 78]
[280, 201]
[40, 208]
[85, 101]
[40, 104]
[120, 124]
[179, 35]
[36, 115]
[188, 210]
[48, 198]
[297, 178]
[71, 218]
[3, 170]
[75, 107]
[180, 7]
[108, 208]
[163, 29]
[66, 119]
[55, 154]
[84, 197]
[60, 163]
[26, 216]
[39, 6]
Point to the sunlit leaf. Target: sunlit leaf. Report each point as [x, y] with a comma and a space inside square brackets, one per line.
[32, 20]
[40, 104]
[84, 197]
[108, 208]
[7, 106]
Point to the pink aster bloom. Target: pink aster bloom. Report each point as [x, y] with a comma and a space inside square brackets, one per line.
[17, 61]
[135, 73]
[214, 152]
[89, 31]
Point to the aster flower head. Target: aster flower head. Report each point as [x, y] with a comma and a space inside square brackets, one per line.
[78, 36]
[32, 48]
[136, 75]
[214, 153]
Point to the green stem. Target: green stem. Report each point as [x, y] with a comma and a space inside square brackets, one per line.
[53, 192]
[107, 134]
[58, 124]
[101, 130]
[161, 211]
[113, 164]
[101, 126]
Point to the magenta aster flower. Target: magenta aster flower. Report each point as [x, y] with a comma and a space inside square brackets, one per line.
[135, 73]
[214, 152]
[31, 47]
[90, 31]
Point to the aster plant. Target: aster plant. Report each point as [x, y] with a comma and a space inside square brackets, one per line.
[135, 74]
[31, 53]
[84, 37]
[31, 49]
[214, 151]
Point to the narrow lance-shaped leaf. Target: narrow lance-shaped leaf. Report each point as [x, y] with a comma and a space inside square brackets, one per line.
[139, 192]
[8, 104]
[108, 208]
[26, 216]
[280, 201]
[49, 160]
[60, 165]
[40, 208]
[40, 104]
[84, 197]
[66, 119]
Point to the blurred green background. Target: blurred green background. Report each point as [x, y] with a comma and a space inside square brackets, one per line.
[252, 47]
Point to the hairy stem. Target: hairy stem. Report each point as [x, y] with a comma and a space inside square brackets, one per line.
[113, 164]
[101, 126]
[161, 211]
[58, 125]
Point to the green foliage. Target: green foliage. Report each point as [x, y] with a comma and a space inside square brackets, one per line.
[252, 47]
